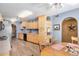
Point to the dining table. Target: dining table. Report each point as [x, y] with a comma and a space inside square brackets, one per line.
[61, 49]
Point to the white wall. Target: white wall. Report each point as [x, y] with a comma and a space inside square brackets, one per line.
[59, 20]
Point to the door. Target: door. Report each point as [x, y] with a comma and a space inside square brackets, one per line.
[13, 30]
[69, 28]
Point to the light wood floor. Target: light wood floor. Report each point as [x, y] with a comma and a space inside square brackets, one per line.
[22, 48]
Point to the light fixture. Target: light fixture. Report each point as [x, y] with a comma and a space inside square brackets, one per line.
[56, 5]
[25, 14]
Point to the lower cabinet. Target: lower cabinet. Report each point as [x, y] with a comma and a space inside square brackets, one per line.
[20, 36]
[32, 37]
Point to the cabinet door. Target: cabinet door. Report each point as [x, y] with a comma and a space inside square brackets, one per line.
[31, 25]
[32, 38]
[20, 36]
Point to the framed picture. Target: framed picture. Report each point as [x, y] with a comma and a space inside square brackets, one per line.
[56, 26]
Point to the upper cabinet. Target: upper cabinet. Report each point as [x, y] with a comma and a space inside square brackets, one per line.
[30, 24]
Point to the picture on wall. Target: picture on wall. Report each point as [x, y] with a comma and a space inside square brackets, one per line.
[56, 26]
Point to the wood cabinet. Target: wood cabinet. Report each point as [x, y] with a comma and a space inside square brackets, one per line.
[32, 37]
[30, 25]
[40, 27]
[49, 23]
[20, 36]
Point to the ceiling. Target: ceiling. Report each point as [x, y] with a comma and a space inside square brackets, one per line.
[11, 10]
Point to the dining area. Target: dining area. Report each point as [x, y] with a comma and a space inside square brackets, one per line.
[63, 48]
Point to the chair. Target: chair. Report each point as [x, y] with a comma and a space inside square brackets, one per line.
[75, 39]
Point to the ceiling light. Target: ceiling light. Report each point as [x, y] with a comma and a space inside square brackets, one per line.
[25, 14]
[56, 5]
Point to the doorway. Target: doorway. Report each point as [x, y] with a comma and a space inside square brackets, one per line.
[69, 28]
[25, 37]
[13, 30]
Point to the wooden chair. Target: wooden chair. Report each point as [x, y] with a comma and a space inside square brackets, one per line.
[75, 39]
